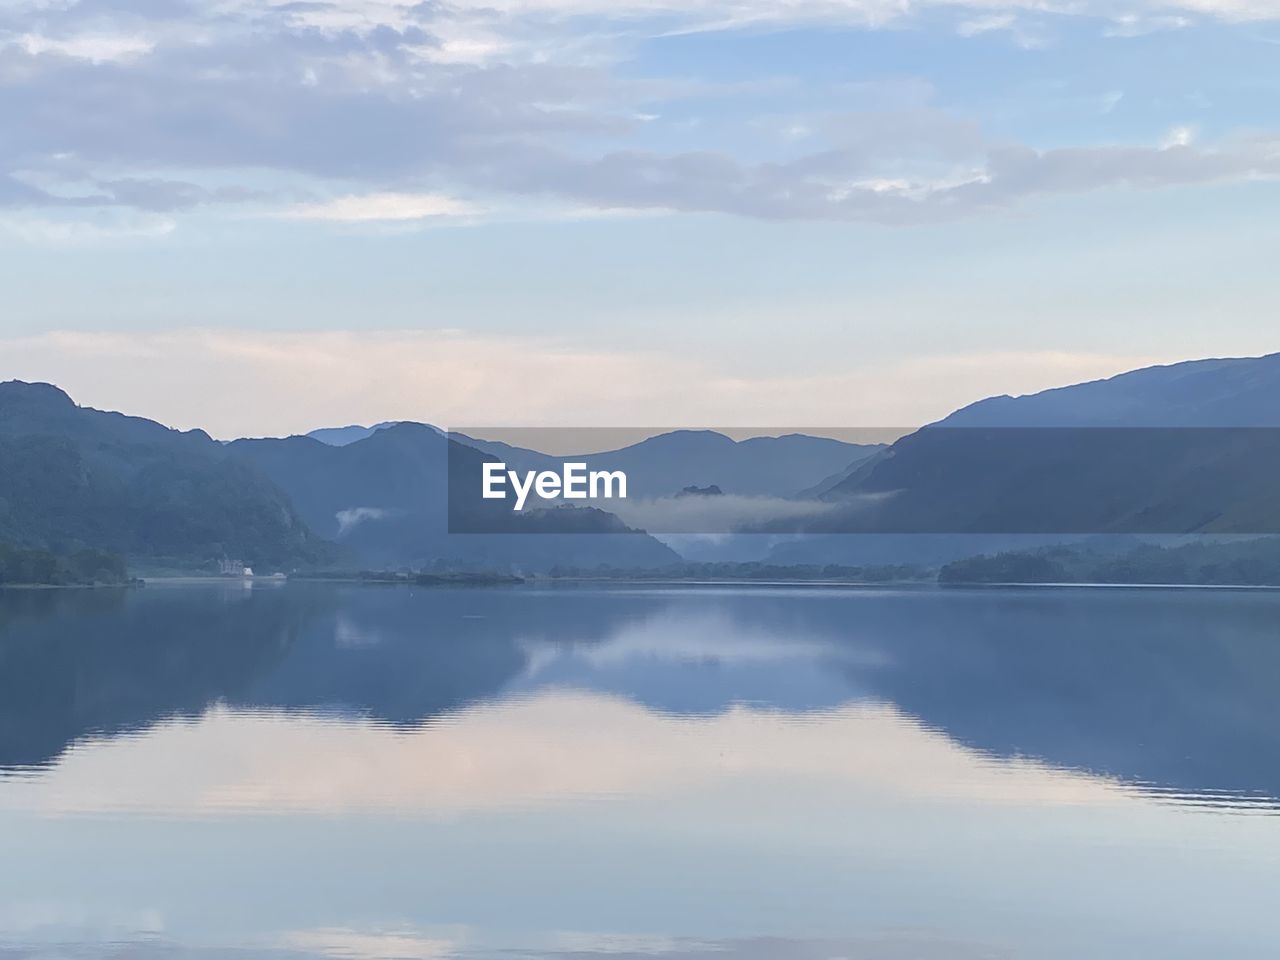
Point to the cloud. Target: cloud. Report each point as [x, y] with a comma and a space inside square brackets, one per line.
[714, 514]
[395, 109]
[292, 382]
[1178, 137]
[352, 517]
[733, 14]
[845, 184]
[95, 48]
[142, 194]
[381, 207]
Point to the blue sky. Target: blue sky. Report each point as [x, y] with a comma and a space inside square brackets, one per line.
[262, 217]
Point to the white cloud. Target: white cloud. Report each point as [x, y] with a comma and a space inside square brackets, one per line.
[466, 49]
[351, 518]
[1226, 9]
[93, 47]
[1181, 136]
[373, 207]
[291, 382]
[986, 24]
[1137, 25]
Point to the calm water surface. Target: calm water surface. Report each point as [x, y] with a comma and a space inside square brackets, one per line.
[629, 773]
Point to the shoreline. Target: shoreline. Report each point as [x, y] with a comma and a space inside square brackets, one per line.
[72, 586]
[672, 582]
[196, 578]
[899, 584]
[1119, 586]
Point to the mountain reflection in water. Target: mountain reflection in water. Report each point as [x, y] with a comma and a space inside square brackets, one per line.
[732, 773]
[1169, 690]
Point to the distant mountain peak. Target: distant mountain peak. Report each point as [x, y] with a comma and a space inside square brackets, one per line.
[353, 433]
[135, 487]
[35, 392]
[341, 436]
[1217, 392]
[711, 490]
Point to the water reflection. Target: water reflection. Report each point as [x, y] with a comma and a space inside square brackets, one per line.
[586, 773]
[1170, 692]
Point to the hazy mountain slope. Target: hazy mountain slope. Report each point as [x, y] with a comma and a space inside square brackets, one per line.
[1166, 449]
[71, 476]
[1068, 480]
[760, 466]
[1198, 393]
[665, 464]
[341, 436]
[1105, 456]
[386, 499]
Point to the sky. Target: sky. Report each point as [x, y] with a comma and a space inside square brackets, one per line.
[260, 218]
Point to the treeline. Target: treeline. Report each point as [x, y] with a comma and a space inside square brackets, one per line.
[1253, 562]
[725, 570]
[424, 578]
[41, 567]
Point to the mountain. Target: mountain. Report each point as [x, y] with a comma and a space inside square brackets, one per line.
[72, 477]
[1179, 449]
[666, 464]
[386, 500]
[341, 436]
[1197, 393]
[1185, 448]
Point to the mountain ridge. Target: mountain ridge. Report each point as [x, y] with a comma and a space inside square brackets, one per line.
[1213, 392]
[73, 477]
[387, 499]
[1181, 448]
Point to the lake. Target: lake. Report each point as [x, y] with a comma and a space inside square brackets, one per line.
[239, 771]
